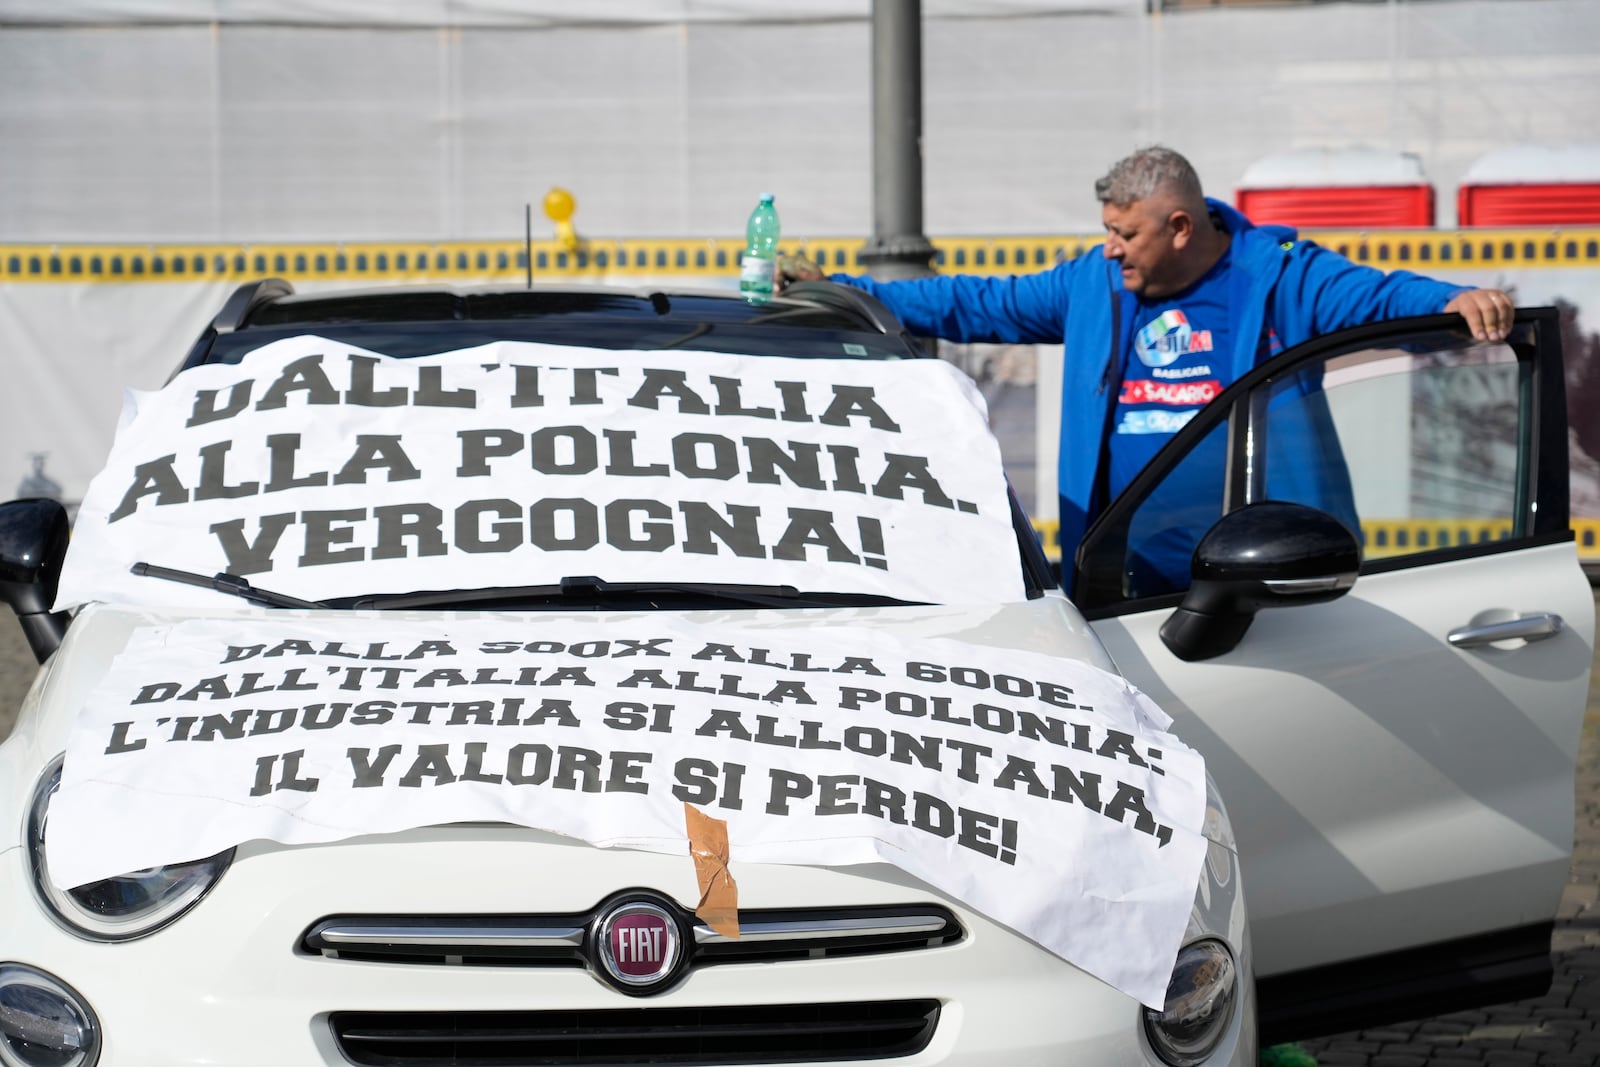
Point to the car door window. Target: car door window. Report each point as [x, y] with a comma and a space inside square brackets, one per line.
[1419, 440]
[1169, 520]
[1434, 441]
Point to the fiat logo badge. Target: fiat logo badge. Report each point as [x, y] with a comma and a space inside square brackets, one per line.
[639, 946]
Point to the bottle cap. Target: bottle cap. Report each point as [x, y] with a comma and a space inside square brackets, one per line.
[767, 197]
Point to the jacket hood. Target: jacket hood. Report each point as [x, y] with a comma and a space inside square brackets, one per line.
[1236, 223]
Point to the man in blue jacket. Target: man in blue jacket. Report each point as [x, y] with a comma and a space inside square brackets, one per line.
[1185, 296]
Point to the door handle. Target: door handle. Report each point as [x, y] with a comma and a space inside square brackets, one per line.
[1528, 628]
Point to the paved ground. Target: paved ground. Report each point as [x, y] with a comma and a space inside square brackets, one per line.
[1560, 1029]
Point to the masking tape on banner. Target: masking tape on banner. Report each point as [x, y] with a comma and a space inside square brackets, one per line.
[719, 894]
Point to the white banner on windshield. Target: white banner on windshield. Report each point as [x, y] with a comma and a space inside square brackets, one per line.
[1042, 792]
[321, 471]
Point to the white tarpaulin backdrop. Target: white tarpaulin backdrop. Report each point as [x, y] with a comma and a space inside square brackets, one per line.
[323, 122]
[511, 12]
[1042, 792]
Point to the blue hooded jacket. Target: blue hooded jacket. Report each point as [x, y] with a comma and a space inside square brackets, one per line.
[1283, 291]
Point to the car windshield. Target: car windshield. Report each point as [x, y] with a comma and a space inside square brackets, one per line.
[558, 450]
[408, 324]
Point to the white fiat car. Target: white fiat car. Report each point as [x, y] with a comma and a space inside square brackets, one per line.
[347, 748]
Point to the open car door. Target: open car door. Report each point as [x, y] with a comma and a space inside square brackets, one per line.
[1395, 740]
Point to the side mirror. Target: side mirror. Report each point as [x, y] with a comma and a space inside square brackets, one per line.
[1264, 555]
[33, 544]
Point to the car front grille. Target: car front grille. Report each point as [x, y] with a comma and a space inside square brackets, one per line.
[786, 1033]
[765, 936]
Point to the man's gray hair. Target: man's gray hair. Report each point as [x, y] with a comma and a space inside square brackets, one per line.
[1145, 171]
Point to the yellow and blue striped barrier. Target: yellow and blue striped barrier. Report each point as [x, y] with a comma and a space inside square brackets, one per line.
[1395, 537]
[390, 262]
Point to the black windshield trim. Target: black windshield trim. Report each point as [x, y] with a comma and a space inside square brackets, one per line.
[586, 591]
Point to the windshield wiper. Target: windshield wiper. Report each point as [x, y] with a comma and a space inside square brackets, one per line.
[222, 582]
[594, 590]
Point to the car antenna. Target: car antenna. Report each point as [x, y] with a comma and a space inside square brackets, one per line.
[527, 232]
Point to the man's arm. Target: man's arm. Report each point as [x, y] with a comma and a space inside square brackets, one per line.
[1336, 293]
[1017, 309]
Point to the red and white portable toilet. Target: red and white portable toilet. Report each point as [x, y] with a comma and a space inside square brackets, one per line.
[1337, 188]
[1532, 185]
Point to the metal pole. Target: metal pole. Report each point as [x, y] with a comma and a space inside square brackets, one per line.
[898, 248]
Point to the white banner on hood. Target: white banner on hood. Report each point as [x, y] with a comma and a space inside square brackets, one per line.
[1043, 793]
[321, 471]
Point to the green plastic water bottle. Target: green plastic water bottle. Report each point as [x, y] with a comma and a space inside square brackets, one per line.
[758, 268]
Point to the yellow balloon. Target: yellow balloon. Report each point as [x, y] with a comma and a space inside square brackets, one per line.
[559, 205]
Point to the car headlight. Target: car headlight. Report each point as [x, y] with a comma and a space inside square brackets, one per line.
[127, 906]
[1199, 1005]
[43, 1021]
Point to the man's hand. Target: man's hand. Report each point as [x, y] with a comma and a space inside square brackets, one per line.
[797, 268]
[1488, 313]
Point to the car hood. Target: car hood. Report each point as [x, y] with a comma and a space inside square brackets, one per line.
[448, 865]
[1049, 625]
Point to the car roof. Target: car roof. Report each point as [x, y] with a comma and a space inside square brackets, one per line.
[408, 303]
[424, 318]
